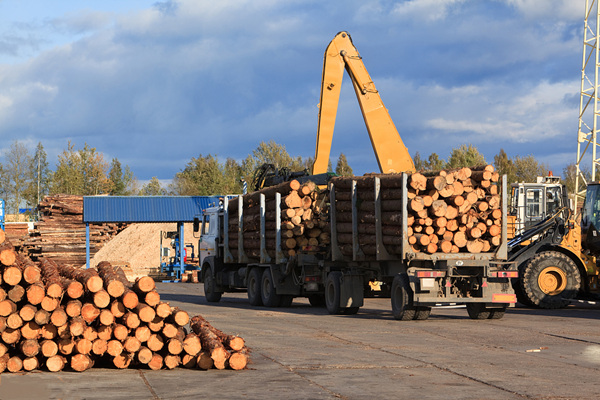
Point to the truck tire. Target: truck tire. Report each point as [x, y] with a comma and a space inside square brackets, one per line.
[478, 311]
[210, 292]
[422, 313]
[497, 313]
[316, 300]
[332, 292]
[551, 279]
[254, 290]
[268, 293]
[402, 298]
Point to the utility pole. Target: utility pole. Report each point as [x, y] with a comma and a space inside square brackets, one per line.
[587, 143]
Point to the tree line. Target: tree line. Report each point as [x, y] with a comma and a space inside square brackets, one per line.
[26, 178]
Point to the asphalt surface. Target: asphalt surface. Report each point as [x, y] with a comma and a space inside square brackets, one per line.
[302, 352]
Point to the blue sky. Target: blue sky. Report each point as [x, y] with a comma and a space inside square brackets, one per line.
[157, 83]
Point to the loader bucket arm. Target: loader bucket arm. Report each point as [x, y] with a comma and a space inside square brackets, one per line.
[391, 153]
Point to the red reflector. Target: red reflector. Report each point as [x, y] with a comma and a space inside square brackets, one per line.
[505, 274]
[430, 274]
[484, 284]
[504, 298]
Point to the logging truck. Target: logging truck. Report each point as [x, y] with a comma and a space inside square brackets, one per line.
[332, 246]
[422, 240]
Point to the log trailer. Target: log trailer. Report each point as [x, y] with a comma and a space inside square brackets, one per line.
[364, 233]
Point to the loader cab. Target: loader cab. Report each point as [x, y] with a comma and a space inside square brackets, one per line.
[207, 225]
[532, 202]
[590, 219]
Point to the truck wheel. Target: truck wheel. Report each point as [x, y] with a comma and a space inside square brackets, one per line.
[210, 292]
[551, 279]
[478, 311]
[497, 313]
[268, 294]
[402, 298]
[422, 313]
[332, 292]
[254, 278]
[316, 300]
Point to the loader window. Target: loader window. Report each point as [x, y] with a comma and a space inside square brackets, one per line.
[553, 198]
[534, 204]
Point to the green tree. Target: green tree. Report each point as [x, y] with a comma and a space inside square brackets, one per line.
[527, 168]
[202, 176]
[232, 175]
[15, 176]
[419, 162]
[505, 166]
[342, 168]
[465, 156]
[39, 177]
[120, 181]
[153, 188]
[435, 163]
[81, 172]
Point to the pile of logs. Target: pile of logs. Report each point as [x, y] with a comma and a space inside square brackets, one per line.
[303, 220]
[56, 316]
[60, 233]
[449, 211]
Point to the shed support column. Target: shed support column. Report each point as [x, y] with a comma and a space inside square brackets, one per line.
[87, 244]
[181, 249]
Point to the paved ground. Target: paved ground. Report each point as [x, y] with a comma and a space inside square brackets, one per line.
[303, 353]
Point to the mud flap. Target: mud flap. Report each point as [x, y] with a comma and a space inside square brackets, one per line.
[351, 291]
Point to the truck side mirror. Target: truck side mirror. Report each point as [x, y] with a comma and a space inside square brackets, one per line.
[196, 223]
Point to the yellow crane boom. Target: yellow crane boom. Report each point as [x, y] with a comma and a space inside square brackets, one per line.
[391, 153]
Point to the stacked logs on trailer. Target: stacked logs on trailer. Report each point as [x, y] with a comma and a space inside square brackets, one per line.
[60, 234]
[449, 211]
[304, 220]
[57, 317]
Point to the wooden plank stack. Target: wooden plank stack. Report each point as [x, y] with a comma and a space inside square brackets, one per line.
[56, 316]
[304, 223]
[60, 233]
[449, 211]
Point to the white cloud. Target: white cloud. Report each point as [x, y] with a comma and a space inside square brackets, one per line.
[553, 9]
[428, 10]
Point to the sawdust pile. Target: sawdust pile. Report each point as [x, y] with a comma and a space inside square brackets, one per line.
[137, 248]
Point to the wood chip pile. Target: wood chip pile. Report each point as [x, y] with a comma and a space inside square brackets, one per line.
[60, 233]
[56, 317]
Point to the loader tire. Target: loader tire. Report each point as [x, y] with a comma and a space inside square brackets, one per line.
[254, 278]
[210, 292]
[551, 279]
[402, 299]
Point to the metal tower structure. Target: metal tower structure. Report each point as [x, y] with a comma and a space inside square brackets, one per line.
[587, 140]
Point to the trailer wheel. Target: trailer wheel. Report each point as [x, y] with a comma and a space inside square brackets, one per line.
[402, 298]
[254, 290]
[268, 294]
[551, 279]
[316, 300]
[497, 313]
[210, 292]
[478, 311]
[422, 313]
[332, 292]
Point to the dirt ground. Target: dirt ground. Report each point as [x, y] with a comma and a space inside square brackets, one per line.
[137, 248]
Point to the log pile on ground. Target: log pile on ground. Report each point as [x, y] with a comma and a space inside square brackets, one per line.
[449, 211]
[57, 317]
[303, 220]
[60, 233]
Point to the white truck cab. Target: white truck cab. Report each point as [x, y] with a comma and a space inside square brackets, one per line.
[209, 225]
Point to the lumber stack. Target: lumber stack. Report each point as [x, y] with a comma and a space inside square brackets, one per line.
[61, 233]
[449, 211]
[304, 223]
[57, 317]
